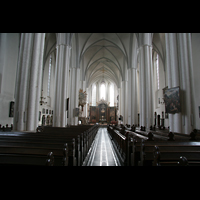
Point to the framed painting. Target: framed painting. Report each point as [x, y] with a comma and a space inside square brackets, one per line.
[172, 100]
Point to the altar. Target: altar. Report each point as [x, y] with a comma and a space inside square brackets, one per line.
[103, 112]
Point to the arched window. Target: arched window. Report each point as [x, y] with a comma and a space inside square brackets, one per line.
[103, 91]
[49, 77]
[157, 72]
[94, 95]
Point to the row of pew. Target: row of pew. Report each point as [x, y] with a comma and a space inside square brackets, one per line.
[52, 146]
[155, 148]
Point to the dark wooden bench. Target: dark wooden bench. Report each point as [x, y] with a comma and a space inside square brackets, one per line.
[85, 135]
[20, 155]
[68, 145]
[140, 148]
[168, 153]
[126, 140]
[171, 149]
[171, 136]
[42, 144]
[121, 144]
[48, 142]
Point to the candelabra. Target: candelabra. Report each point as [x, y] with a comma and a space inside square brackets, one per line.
[42, 99]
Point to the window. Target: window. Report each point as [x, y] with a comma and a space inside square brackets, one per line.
[111, 95]
[94, 95]
[157, 72]
[103, 91]
[49, 78]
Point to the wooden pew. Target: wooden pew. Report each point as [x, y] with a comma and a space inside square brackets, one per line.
[165, 135]
[142, 151]
[176, 146]
[121, 142]
[126, 143]
[42, 141]
[173, 148]
[84, 140]
[168, 154]
[20, 155]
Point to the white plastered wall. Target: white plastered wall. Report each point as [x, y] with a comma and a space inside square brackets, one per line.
[9, 47]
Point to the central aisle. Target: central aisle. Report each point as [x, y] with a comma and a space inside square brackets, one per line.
[103, 153]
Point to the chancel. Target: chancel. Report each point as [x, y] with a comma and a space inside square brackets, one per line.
[100, 99]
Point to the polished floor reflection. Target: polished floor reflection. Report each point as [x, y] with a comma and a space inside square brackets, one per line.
[103, 152]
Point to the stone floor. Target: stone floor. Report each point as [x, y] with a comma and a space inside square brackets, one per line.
[103, 152]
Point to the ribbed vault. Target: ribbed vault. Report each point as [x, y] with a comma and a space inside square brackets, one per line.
[102, 55]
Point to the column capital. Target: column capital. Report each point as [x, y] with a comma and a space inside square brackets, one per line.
[144, 45]
[64, 39]
[65, 45]
[145, 38]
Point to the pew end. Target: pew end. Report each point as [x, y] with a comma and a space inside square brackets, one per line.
[50, 159]
[182, 161]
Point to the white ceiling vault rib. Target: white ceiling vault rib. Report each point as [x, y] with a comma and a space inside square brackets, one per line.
[103, 45]
[95, 69]
[103, 55]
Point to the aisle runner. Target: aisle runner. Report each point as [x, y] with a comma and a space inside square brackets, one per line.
[104, 155]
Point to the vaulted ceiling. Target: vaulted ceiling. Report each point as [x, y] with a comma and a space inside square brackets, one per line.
[103, 55]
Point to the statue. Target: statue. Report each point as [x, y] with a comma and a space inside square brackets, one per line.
[82, 98]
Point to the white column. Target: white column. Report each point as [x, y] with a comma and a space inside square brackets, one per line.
[108, 92]
[149, 86]
[88, 100]
[23, 76]
[35, 82]
[133, 96]
[120, 107]
[72, 95]
[146, 86]
[84, 114]
[28, 82]
[173, 76]
[122, 93]
[125, 102]
[18, 82]
[77, 88]
[64, 89]
[90, 94]
[56, 115]
[142, 90]
[187, 96]
[61, 89]
[97, 92]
